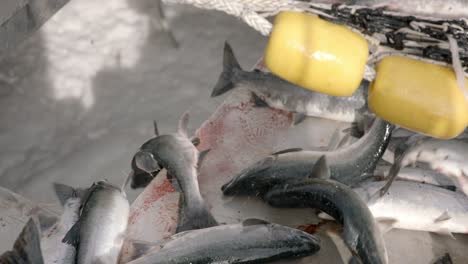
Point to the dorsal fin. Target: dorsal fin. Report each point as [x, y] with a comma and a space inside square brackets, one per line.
[155, 127]
[183, 124]
[320, 169]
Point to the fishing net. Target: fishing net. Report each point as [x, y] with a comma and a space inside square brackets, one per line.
[388, 32]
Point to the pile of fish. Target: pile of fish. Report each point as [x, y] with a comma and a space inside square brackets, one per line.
[374, 178]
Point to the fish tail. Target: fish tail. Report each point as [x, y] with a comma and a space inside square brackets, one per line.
[27, 247]
[195, 217]
[230, 67]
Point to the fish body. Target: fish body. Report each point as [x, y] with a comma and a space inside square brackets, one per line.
[360, 231]
[253, 241]
[99, 232]
[177, 154]
[54, 250]
[347, 165]
[27, 247]
[417, 206]
[445, 156]
[418, 175]
[281, 94]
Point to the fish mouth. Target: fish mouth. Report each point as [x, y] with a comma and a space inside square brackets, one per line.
[312, 241]
[225, 188]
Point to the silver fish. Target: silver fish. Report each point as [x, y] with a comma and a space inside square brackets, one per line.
[360, 231]
[347, 165]
[27, 247]
[178, 155]
[445, 156]
[418, 175]
[54, 250]
[417, 206]
[253, 241]
[99, 233]
[270, 90]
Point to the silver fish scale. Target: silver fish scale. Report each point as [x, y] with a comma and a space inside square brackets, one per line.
[282, 94]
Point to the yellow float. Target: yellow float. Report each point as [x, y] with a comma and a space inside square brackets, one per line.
[316, 54]
[419, 96]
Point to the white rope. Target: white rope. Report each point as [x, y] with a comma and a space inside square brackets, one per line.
[457, 67]
[244, 9]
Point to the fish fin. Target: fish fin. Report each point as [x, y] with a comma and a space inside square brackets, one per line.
[64, 192]
[392, 174]
[183, 124]
[289, 150]
[443, 217]
[320, 169]
[343, 141]
[194, 217]
[299, 118]
[45, 221]
[27, 247]
[259, 102]
[195, 141]
[386, 224]
[445, 259]
[139, 248]
[201, 157]
[325, 216]
[452, 188]
[230, 67]
[254, 221]
[174, 182]
[446, 232]
[334, 141]
[72, 237]
[155, 127]
[356, 130]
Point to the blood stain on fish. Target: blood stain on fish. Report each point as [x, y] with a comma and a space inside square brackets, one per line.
[156, 193]
[311, 228]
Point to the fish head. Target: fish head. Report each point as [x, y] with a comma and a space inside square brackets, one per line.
[257, 179]
[143, 169]
[253, 180]
[171, 151]
[145, 161]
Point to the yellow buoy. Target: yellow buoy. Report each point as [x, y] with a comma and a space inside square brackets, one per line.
[419, 96]
[316, 54]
